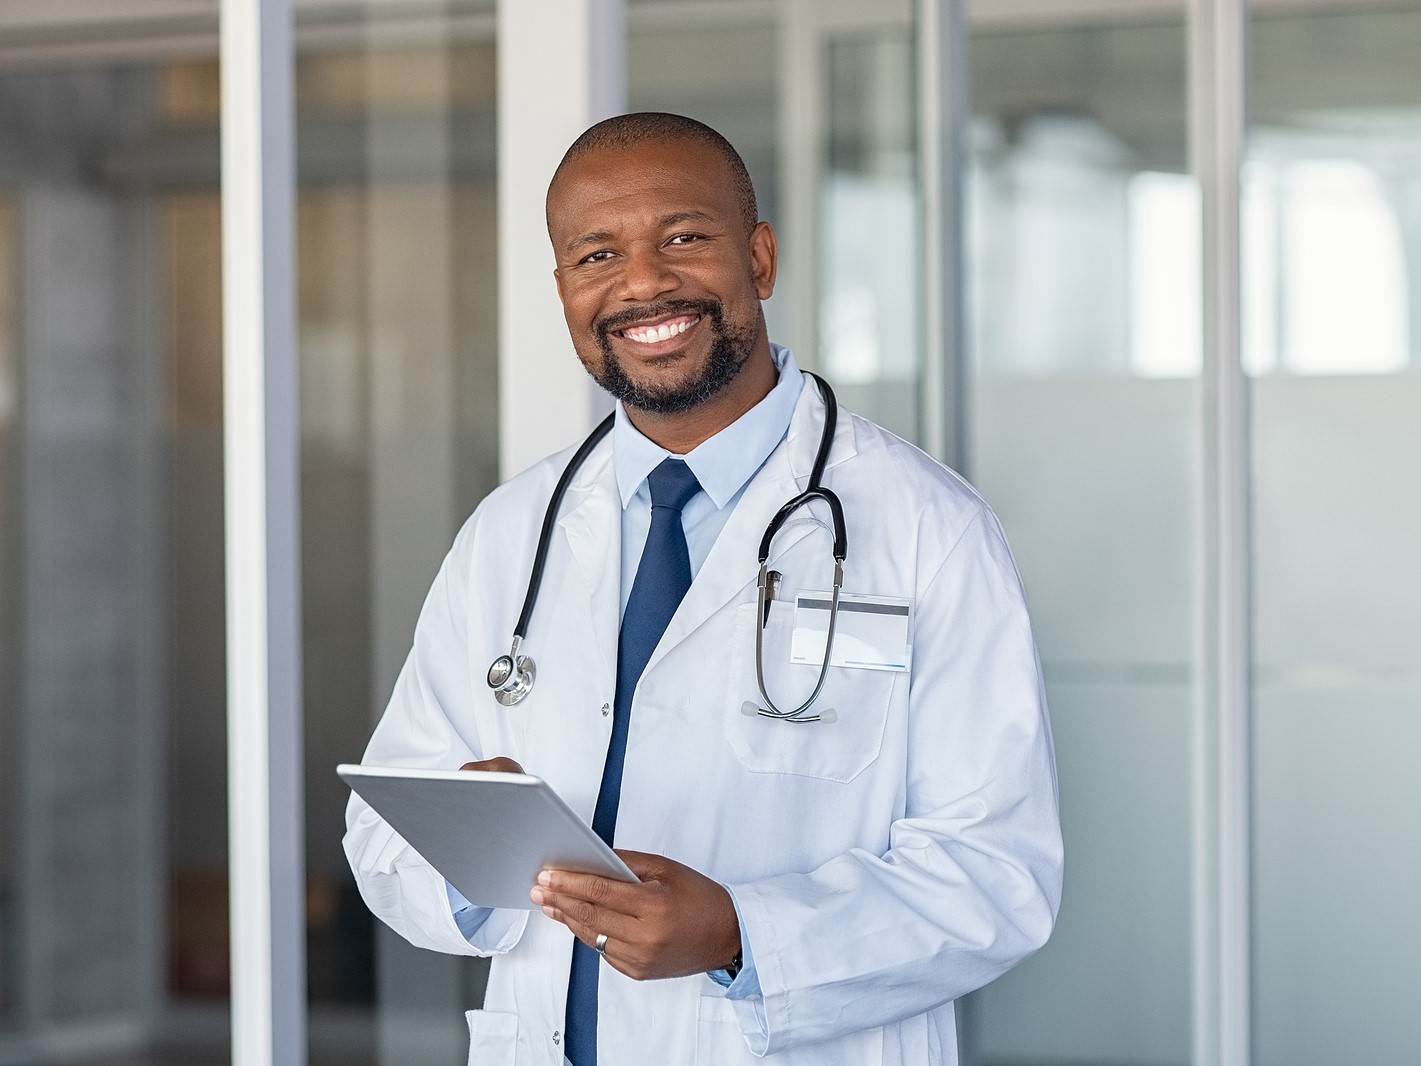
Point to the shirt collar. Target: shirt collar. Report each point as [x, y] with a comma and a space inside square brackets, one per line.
[728, 460]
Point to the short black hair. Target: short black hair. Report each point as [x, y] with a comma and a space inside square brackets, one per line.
[623, 131]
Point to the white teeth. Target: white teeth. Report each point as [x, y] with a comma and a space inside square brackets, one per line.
[663, 332]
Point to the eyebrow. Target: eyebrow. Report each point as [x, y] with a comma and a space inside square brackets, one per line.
[677, 217]
[664, 222]
[598, 237]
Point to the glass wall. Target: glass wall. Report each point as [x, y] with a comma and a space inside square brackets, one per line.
[112, 807]
[1083, 260]
[1332, 304]
[1083, 281]
[399, 434]
[111, 474]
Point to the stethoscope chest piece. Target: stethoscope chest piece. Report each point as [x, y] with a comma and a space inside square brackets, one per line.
[511, 676]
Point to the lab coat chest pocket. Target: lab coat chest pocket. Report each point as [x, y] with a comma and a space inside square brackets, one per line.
[835, 751]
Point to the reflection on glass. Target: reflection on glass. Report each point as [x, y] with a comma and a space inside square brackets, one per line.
[1166, 298]
[112, 810]
[1083, 259]
[870, 296]
[1326, 288]
[1049, 196]
[1333, 288]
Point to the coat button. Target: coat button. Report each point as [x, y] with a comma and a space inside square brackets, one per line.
[606, 709]
[557, 1037]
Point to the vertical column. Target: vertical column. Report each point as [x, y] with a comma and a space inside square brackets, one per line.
[562, 67]
[260, 491]
[942, 154]
[10, 880]
[940, 32]
[409, 301]
[1222, 776]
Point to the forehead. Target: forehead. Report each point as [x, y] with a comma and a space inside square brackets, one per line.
[606, 187]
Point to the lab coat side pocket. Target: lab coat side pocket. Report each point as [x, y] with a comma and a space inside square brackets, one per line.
[493, 1037]
[839, 750]
[719, 1041]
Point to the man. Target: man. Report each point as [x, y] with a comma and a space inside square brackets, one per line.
[810, 892]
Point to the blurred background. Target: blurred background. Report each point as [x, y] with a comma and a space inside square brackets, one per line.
[1082, 417]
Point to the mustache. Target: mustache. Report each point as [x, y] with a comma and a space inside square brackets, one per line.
[618, 320]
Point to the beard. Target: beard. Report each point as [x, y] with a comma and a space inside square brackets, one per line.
[730, 351]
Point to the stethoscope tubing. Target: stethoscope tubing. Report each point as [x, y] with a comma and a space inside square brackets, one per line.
[512, 676]
[550, 517]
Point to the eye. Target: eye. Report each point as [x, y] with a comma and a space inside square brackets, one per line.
[599, 256]
[686, 238]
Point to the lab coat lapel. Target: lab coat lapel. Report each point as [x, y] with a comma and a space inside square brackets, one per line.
[731, 565]
[592, 524]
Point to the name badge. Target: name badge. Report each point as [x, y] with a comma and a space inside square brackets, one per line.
[871, 633]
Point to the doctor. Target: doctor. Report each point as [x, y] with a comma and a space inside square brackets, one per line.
[810, 892]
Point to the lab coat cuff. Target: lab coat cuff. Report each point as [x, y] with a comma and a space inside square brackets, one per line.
[744, 993]
[496, 934]
[745, 984]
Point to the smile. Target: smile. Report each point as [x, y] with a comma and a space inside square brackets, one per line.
[660, 331]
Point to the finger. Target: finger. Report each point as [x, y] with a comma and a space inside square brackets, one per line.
[588, 932]
[499, 765]
[647, 866]
[585, 919]
[617, 952]
[624, 953]
[603, 892]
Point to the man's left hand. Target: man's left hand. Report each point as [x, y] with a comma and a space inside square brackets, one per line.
[675, 922]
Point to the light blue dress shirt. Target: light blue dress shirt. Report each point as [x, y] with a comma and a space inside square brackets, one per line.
[724, 465]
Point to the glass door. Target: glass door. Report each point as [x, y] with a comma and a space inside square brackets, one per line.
[113, 804]
[1332, 313]
[1083, 260]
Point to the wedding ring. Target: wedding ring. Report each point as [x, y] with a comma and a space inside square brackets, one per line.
[601, 943]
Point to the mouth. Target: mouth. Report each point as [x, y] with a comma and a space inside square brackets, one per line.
[659, 331]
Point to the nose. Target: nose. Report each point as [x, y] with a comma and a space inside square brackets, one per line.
[647, 274]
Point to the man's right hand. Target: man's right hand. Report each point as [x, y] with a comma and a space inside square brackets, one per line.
[499, 766]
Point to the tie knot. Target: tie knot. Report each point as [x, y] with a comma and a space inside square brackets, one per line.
[672, 484]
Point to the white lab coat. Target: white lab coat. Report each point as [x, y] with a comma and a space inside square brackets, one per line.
[883, 865]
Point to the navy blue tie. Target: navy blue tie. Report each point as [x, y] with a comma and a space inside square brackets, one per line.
[662, 578]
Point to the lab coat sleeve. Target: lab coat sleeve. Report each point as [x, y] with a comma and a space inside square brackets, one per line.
[398, 886]
[971, 882]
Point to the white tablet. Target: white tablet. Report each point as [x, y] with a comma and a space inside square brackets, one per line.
[489, 834]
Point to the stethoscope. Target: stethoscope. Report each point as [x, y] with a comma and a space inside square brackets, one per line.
[512, 676]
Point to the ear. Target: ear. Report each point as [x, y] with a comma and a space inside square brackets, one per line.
[764, 259]
[557, 280]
